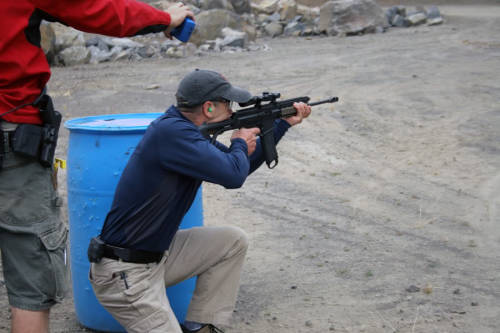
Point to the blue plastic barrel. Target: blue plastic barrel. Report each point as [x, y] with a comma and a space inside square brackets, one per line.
[99, 148]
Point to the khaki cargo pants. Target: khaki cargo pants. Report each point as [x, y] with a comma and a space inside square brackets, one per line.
[135, 296]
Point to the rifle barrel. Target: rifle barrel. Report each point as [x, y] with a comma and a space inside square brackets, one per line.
[328, 100]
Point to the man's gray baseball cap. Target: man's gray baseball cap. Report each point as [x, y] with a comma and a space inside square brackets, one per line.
[202, 85]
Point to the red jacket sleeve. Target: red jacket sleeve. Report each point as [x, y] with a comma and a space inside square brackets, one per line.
[117, 18]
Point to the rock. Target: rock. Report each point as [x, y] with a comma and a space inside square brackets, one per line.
[434, 16]
[210, 23]
[351, 17]
[420, 9]
[241, 6]
[391, 13]
[146, 51]
[68, 37]
[174, 52]
[413, 289]
[125, 43]
[48, 41]
[250, 30]
[435, 21]
[287, 9]
[312, 3]
[399, 21]
[273, 29]
[308, 14]
[97, 55]
[216, 4]
[294, 28]
[433, 12]
[75, 55]
[234, 38]
[162, 4]
[98, 42]
[275, 17]
[265, 7]
[416, 19]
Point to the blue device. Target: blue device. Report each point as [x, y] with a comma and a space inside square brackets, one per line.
[184, 31]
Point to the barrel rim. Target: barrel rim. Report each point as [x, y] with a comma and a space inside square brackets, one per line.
[77, 124]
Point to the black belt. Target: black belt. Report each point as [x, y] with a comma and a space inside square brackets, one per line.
[129, 255]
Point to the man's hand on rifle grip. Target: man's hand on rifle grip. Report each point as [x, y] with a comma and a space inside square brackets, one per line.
[250, 137]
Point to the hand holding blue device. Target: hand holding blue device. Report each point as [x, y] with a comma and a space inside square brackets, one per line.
[184, 31]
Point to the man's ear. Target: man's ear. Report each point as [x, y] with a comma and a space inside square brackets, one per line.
[207, 108]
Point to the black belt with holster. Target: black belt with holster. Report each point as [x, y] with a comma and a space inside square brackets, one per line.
[98, 250]
[37, 141]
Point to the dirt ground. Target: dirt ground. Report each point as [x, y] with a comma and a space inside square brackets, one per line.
[396, 186]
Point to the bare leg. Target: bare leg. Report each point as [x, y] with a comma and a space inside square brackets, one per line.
[24, 321]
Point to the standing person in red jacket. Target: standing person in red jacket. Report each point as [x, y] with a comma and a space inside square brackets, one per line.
[32, 237]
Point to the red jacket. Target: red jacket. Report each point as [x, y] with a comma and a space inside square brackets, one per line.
[24, 70]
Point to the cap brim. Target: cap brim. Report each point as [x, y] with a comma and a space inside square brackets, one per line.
[237, 94]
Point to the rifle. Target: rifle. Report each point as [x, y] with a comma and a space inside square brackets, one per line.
[261, 116]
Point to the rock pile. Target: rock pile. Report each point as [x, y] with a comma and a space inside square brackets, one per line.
[234, 26]
[399, 16]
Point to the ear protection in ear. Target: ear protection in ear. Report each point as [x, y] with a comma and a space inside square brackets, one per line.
[209, 109]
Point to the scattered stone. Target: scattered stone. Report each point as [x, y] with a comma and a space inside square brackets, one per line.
[457, 292]
[413, 289]
[241, 6]
[48, 41]
[351, 17]
[152, 87]
[209, 24]
[120, 54]
[435, 21]
[474, 303]
[234, 38]
[98, 42]
[146, 51]
[125, 43]
[215, 4]
[309, 324]
[287, 9]
[294, 28]
[416, 19]
[265, 7]
[174, 52]
[433, 12]
[75, 55]
[273, 29]
[293, 287]
[231, 26]
[427, 289]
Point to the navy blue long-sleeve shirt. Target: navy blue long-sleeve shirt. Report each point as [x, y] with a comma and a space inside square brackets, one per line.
[160, 181]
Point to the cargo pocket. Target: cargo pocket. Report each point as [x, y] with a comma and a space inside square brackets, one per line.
[155, 322]
[136, 291]
[54, 242]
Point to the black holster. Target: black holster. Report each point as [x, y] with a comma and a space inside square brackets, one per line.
[95, 252]
[39, 141]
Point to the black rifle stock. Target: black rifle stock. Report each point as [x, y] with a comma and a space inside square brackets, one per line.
[261, 116]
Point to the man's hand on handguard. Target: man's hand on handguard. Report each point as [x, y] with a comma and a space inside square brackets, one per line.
[250, 137]
[178, 14]
[303, 111]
